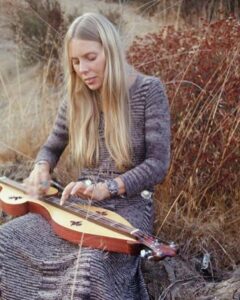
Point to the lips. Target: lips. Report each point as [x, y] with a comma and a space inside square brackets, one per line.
[89, 80]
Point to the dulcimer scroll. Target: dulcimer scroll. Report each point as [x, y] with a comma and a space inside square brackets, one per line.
[83, 224]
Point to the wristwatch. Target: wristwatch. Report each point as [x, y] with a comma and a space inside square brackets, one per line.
[112, 186]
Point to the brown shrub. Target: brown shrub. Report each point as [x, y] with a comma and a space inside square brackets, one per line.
[200, 68]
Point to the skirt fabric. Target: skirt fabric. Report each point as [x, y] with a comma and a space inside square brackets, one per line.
[37, 264]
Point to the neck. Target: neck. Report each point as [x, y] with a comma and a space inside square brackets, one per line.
[131, 75]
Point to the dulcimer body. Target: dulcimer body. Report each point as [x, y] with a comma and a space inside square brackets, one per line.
[67, 225]
[84, 225]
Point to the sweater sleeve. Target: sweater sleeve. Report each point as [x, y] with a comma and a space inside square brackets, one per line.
[157, 143]
[57, 140]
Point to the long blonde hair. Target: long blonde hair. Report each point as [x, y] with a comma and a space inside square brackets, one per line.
[84, 110]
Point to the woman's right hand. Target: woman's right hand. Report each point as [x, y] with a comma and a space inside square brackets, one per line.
[38, 182]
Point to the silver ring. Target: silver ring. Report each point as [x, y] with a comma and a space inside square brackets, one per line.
[87, 182]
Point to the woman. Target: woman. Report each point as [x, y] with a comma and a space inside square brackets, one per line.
[116, 122]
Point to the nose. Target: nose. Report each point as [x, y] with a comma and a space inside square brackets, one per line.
[83, 67]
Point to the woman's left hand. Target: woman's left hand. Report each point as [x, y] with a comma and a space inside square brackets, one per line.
[97, 191]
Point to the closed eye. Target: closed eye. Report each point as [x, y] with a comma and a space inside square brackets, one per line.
[91, 57]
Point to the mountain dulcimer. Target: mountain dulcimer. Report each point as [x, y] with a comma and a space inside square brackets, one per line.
[84, 224]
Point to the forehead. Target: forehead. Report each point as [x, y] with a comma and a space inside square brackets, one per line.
[78, 47]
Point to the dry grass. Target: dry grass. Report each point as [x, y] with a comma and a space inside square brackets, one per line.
[28, 110]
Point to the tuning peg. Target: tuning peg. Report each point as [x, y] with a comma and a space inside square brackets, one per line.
[146, 194]
[146, 253]
[174, 246]
[156, 242]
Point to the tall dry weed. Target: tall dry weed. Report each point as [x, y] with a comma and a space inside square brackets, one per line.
[32, 90]
[188, 11]
[39, 28]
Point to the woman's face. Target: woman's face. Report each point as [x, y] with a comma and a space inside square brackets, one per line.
[88, 61]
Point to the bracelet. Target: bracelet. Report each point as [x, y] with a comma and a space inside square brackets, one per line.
[42, 162]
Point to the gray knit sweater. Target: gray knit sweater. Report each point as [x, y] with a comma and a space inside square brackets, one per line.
[150, 135]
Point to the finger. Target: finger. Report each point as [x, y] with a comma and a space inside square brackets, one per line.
[25, 183]
[33, 184]
[29, 187]
[66, 192]
[44, 184]
[35, 179]
[40, 184]
[79, 187]
[63, 199]
[89, 190]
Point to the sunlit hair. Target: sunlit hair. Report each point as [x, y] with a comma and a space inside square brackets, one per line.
[84, 110]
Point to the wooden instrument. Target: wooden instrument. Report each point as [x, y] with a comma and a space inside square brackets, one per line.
[83, 224]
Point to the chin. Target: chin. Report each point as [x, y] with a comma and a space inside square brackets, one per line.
[94, 87]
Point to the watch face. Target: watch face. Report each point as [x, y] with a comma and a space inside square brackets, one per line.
[112, 187]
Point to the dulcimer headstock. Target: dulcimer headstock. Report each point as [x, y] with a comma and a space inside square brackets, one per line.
[155, 249]
[160, 251]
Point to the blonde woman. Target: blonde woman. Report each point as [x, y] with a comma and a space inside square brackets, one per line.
[116, 123]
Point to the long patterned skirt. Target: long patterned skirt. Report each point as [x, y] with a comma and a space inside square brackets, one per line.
[35, 264]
